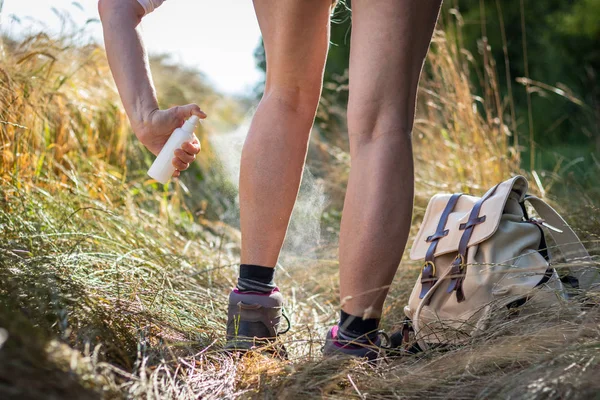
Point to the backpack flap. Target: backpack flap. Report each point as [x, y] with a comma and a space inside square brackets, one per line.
[484, 227]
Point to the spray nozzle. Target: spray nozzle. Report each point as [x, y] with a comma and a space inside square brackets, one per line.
[191, 124]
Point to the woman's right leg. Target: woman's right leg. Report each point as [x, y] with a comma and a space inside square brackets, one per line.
[390, 39]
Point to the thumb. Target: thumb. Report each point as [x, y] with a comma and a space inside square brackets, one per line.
[182, 113]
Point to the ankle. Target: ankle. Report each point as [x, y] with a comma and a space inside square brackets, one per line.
[256, 278]
[355, 328]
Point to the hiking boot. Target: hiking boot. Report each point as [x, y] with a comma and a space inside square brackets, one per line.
[336, 346]
[253, 319]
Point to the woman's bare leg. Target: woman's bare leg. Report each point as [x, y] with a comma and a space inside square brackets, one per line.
[390, 39]
[296, 39]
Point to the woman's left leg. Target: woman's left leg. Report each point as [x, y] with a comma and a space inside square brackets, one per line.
[296, 38]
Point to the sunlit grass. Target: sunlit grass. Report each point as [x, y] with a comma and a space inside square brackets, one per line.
[113, 285]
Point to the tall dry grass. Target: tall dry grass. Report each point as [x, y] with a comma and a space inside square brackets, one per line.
[61, 120]
[114, 287]
[458, 135]
[99, 266]
[58, 107]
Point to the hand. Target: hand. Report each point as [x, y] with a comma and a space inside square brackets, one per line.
[156, 129]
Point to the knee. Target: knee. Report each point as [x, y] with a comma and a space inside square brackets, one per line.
[374, 122]
[298, 97]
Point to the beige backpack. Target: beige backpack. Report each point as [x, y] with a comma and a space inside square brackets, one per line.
[484, 254]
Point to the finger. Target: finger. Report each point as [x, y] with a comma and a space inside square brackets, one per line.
[180, 165]
[184, 112]
[176, 173]
[192, 148]
[185, 157]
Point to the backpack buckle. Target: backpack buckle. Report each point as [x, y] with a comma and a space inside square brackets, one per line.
[458, 273]
[461, 263]
[432, 265]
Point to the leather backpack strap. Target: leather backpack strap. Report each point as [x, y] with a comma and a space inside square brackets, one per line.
[459, 266]
[428, 274]
[568, 244]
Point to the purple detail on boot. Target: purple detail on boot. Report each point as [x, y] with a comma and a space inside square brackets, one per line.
[334, 331]
[334, 347]
[238, 291]
[334, 335]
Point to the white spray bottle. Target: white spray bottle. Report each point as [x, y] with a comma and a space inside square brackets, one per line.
[162, 168]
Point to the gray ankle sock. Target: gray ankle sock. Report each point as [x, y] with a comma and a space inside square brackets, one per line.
[354, 328]
[256, 278]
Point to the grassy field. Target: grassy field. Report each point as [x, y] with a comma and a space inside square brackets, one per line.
[112, 286]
